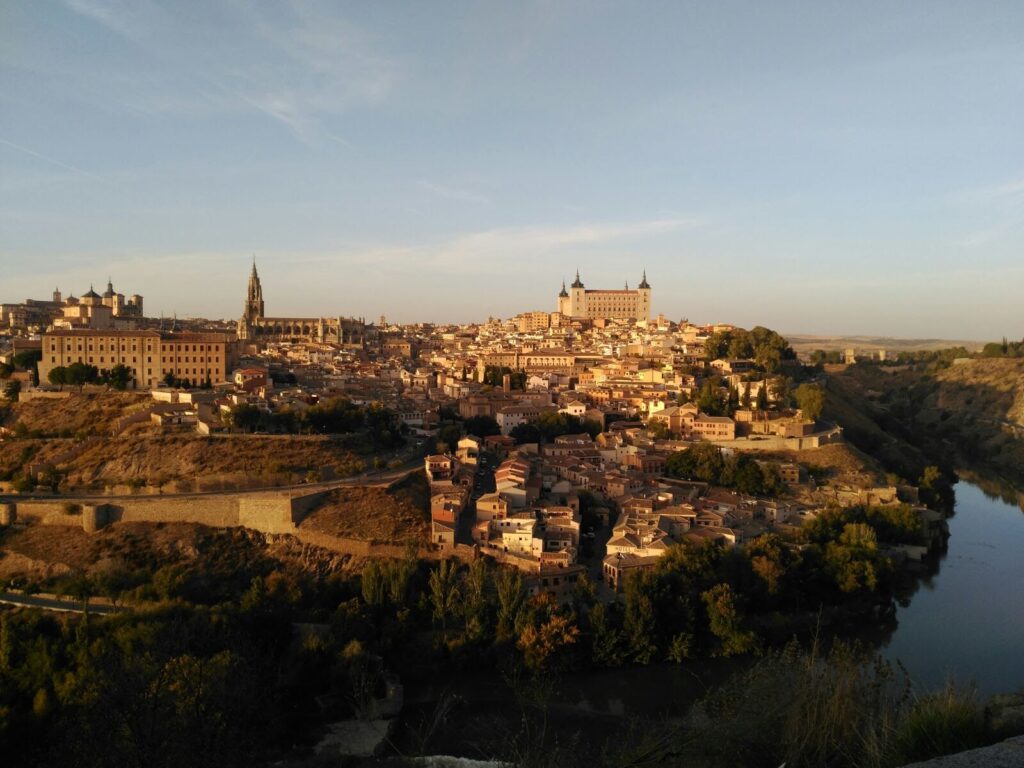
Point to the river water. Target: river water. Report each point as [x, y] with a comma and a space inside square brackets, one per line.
[966, 622]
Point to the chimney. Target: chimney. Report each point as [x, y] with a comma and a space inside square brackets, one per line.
[506, 383]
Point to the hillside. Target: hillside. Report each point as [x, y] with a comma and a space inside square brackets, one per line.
[804, 344]
[236, 461]
[77, 414]
[131, 553]
[399, 514]
[969, 415]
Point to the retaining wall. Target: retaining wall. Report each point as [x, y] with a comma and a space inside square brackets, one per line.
[268, 513]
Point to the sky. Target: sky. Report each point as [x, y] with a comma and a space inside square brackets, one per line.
[815, 167]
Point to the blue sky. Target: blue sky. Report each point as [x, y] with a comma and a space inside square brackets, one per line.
[825, 167]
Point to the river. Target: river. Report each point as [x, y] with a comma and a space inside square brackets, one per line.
[966, 622]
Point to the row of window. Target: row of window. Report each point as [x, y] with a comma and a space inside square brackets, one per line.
[215, 360]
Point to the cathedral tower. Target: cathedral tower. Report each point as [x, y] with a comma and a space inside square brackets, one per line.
[254, 301]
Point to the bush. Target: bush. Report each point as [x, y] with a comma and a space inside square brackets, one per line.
[942, 723]
[23, 484]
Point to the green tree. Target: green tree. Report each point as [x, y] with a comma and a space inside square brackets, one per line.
[509, 585]
[245, 417]
[726, 623]
[373, 583]
[810, 399]
[12, 389]
[80, 374]
[607, 640]
[58, 376]
[119, 377]
[709, 399]
[444, 591]
[761, 400]
[640, 622]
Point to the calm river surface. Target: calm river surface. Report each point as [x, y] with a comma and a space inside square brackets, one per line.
[967, 621]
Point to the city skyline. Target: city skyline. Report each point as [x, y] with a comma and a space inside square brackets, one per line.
[856, 173]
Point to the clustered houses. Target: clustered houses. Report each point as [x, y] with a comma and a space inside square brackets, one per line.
[631, 380]
[523, 525]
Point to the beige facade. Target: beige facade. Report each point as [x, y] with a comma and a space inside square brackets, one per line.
[528, 322]
[581, 304]
[150, 355]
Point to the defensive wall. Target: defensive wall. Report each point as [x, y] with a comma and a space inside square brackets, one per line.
[266, 512]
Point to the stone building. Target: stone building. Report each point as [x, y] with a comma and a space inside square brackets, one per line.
[150, 355]
[581, 304]
[256, 327]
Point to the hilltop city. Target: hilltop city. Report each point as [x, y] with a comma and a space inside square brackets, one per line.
[392, 509]
[553, 441]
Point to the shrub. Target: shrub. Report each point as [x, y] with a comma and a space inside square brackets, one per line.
[951, 720]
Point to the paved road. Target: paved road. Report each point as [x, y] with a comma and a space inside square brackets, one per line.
[48, 604]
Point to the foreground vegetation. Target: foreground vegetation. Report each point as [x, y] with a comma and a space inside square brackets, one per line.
[177, 681]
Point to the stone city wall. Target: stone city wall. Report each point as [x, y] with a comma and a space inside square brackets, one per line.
[268, 513]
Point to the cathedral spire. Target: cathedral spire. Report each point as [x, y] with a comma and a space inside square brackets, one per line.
[577, 283]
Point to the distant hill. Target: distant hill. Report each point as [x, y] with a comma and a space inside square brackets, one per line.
[968, 415]
[804, 343]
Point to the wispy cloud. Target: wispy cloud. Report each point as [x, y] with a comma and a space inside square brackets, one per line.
[502, 249]
[47, 159]
[1002, 203]
[459, 194]
[301, 65]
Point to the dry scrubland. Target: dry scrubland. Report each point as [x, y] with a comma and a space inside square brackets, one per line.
[399, 514]
[78, 414]
[38, 552]
[245, 459]
[145, 455]
[970, 414]
[840, 462]
[993, 388]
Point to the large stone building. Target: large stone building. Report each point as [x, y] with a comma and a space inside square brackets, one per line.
[111, 310]
[255, 326]
[151, 355]
[579, 303]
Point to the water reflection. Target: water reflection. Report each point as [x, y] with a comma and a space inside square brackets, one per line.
[966, 618]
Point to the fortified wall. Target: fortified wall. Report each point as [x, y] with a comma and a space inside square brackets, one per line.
[265, 512]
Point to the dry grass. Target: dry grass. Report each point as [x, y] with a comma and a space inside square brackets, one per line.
[840, 461]
[242, 460]
[398, 514]
[41, 552]
[76, 414]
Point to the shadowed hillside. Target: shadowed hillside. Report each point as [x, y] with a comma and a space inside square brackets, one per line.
[967, 415]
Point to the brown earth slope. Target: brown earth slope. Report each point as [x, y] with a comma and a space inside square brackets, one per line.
[77, 414]
[969, 415]
[43, 553]
[399, 514]
[236, 461]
